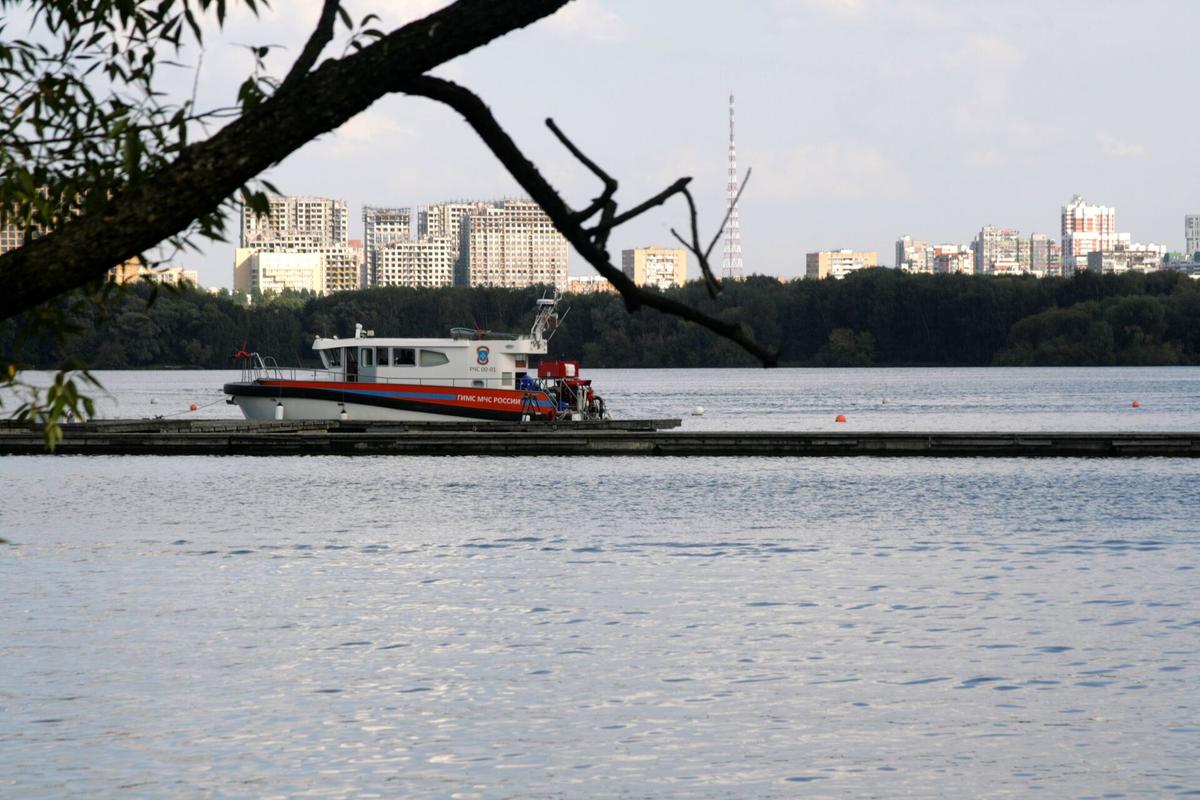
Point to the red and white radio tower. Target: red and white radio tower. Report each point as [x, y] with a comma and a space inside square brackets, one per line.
[731, 262]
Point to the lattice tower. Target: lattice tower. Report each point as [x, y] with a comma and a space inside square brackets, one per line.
[731, 262]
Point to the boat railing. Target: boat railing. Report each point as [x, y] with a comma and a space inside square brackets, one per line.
[260, 368]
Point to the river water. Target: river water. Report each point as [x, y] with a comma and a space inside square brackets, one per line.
[621, 627]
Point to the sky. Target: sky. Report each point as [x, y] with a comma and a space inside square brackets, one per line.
[863, 120]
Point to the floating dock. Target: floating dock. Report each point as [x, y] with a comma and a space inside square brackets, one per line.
[606, 438]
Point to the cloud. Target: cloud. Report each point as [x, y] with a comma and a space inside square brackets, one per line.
[826, 169]
[919, 14]
[590, 20]
[1118, 148]
[372, 130]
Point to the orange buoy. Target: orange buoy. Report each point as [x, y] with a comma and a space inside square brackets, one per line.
[193, 407]
[840, 418]
[1136, 404]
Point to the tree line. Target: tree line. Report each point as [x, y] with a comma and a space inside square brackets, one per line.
[877, 317]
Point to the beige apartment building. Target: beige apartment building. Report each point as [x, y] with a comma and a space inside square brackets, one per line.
[660, 267]
[424, 263]
[301, 225]
[589, 284]
[133, 270]
[274, 272]
[838, 263]
[382, 227]
[511, 244]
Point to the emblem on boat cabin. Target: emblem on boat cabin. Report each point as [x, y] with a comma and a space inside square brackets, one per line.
[481, 355]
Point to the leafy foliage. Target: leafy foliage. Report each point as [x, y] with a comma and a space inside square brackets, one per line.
[875, 317]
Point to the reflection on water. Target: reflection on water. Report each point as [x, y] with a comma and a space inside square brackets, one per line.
[472, 627]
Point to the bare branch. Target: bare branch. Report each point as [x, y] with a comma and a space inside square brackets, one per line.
[320, 37]
[588, 245]
[728, 213]
[710, 281]
[610, 185]
[702, 255]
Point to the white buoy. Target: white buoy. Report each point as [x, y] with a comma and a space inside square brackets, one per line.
[698, 411]
[278, 410]
[342, 415]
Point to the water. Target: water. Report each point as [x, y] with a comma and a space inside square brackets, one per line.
[712, 628]
[943, 399]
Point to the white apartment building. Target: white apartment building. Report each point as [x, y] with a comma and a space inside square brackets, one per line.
[1086, 229]
[660, 267]
[423, 263]
[1045, 256]
[301, 225]
[998, 251]
[1191, 233]
[914, 255]
[381, 227]
[511, 244]
[444, 220]
[322, 217]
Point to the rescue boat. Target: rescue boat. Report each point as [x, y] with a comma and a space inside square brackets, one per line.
[474, 374]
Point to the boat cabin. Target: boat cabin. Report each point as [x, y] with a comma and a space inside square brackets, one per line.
[482, 359]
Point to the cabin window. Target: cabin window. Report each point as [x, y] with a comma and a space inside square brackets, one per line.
[334, 356]
[381, 354]
[404, 357]
[520, 362]
[367, 359]
[506, 378]
[478, 384]
[433, 358]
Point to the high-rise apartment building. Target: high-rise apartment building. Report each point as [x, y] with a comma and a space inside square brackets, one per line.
[660, 267]
[914, 255]
[511, 243]
[838, 263]
[1086, 229]
[420, 263]
[444, 220]
[1045, 256]
[381, 227]
[997, 251]
[300, 225]
[1191, 233]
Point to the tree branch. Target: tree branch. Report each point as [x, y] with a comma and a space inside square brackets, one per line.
[610, 185]
[587, 244]
[320, 37]
[139, 215]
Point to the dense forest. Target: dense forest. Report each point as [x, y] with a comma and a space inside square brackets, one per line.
[877, 317]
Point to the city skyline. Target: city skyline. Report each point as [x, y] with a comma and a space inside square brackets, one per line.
[943, 118]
